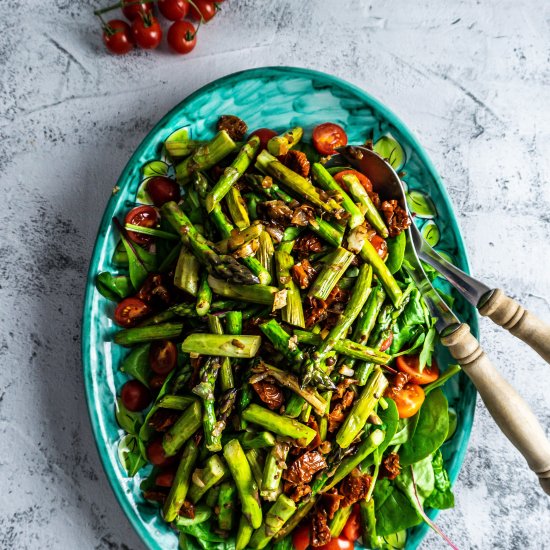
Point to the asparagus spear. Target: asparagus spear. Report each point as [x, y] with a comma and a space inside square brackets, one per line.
[244, 534]
[257, 440]
[367, 447]
[368, 521]
[212, 495]
[281, 511]
[226, 371]
[238, 238]
[234, 322]
[237, 208]
[254, 459]
[246, 486]
[175, 402]
[273, 471]
[337, 523]
[281, 145]
[303, 510]
[226, 505]
[180, 486]
[292, 312]
[345, 347]
[204, 297]
[138, 335]
[371, 212]
[187, 424]
[362, 408]
[328, 183]
[232, 173]
[331, 273]
[257, 294]
[203, 479]
[370, 255]
[283, 343]
[205, 156]
[223, 265]
[225, 345]
[266, 252]
[187, 275]
[279, 424]
[267, 163]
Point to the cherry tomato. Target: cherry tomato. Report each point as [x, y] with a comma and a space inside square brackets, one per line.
[352, 528]
[157, 381]
[300, 537]
[328, 136]
[166, 478]
[182, 36]
[163, 356]
[204, 10]
[409, 400]
[387, 342]
[265, 134]
[339, 543]
[363, 180]
[173, 10]
[162, 189]
[117, 36]
[380, 245]
[156, 454]
[144, 216]
[132, 9]
[146, 31]
[130, 311]
[135, 396]
[409, 365]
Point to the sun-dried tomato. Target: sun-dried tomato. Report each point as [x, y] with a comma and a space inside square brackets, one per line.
[163, 419]
[390, 467]
[320, 532]
[336, 417]
[276, 211]
[342, 387]
[397, 218]
[187, 510]
[331, 501]
[296, 161]
[354, 488]
[155, 290]
[269, 393]
[316, 441]
[303, 469]
[297, 493]
[338, 296]
[233, 125]
[302, 215]
[307, 244]
[348, 398]
[154, 496]
[303, 274]
[398, 383]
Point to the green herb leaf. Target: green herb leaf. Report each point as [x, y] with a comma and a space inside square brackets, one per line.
[113, 287]
[129, 421]
[140, 262]
[129, 455]
[421, 204]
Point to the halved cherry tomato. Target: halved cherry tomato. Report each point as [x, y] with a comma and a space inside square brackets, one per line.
[300, 537]
[408, 400]
[363, 180]
[163, 356]
[156, 454]
[147, 31]
[265, 134]
[166, 478]
[380, 245]
[204, 10]
[387, 342]
[132, 9]
[162, 189]
[328, 136]
[173, 10]
[409, 365]
[339, 543]
[135, 396]
[352, 528]
[130, 311]
[144, 216]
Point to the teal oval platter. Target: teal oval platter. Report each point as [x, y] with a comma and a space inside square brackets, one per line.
[278, 98]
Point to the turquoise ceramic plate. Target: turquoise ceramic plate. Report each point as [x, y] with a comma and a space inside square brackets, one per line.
[276, 97]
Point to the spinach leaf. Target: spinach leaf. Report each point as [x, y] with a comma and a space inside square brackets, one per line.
[416, 338]
[136, 364]
[405, 429]
[431, 429]
[413, 314]
[113, 287]
[129, 455]
[390, 418]
[185, 542]
[442, 496]
[203, 533]
[396, 252]
[428, 348]
[394, 510]
[403, 334]
[140, 262]
[284, 544]
[129, 421]
[423, 477]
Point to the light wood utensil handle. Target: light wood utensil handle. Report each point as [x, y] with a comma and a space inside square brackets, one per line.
[507, 313]
[507, 407]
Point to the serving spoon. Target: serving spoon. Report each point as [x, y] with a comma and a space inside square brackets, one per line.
[506, 406]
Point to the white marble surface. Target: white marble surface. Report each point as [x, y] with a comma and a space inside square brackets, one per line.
[470, 78]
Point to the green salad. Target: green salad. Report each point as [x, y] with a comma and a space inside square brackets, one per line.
[281, 386]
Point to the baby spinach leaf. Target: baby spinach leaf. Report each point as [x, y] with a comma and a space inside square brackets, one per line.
[390, 418]
[284, 544]
[403, 336]
[442, 496]
[129, 455]
[430, 432]
[204, 533]
[413, 314]
[185, 542]
[113, 287]
[129, 421]
[140, 262]
[428, 348]
[396, 540]
[405, 429]
[136, 364]
[423, 477]
[396, 252]
[394, 511]
[453, 422]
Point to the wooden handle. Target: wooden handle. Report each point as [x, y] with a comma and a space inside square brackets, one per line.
[507, 407]
[507, 313]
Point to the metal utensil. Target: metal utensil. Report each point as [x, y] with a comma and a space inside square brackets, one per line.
[507, 407]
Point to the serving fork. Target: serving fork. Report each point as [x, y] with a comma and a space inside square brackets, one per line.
[506, 406]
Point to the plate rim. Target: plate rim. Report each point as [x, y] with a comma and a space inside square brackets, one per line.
[373, 102]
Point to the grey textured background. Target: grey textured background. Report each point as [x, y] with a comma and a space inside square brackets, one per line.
[470, 78]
